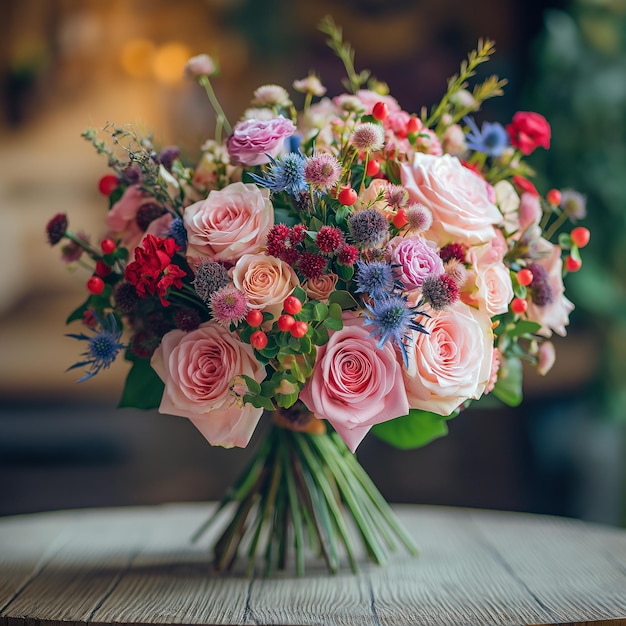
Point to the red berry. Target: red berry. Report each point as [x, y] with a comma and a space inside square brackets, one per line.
[286, 322]
[258, 339]
[580, 236]
[519, 306]
[413, 125]
[380, 111]
[292, 305]
[299, 329]
[347, 196]
[95, 285]
[373, 167]
[399, 219]
[524, 277]
[107, 246]
[108, 184]
[553, 197]
[254, 317]
[102, 269]
[572, 264]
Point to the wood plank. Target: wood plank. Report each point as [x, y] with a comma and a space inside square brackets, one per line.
[137, 566]
[25, 547]
[565, 564]
[77, 577]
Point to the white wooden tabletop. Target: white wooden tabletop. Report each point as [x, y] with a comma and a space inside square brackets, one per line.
[137, 566]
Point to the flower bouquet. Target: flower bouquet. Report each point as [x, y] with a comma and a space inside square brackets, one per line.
[344, 267]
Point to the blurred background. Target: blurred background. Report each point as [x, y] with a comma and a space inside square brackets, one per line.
[66, 65]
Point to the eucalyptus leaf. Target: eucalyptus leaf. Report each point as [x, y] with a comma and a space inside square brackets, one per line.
[508, 388]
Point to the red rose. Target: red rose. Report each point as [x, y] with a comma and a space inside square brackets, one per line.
[528, 131]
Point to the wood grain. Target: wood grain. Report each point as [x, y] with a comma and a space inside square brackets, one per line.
[137, 566]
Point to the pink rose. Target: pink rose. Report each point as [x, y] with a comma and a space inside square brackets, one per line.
[265, 280]
[416, 258]
[231, 222]
[555, 315]
[456, 197]
[453, 362]
[355, 384]
[199, 369]
[252, 141]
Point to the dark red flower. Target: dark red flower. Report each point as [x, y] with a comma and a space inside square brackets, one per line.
[529, 131]
[152, 272]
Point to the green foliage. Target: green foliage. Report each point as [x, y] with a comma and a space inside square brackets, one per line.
[143, 388]
[414, 430]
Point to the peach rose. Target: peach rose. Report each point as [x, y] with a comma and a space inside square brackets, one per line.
[492, 289]
[199, 369]
[231, 222]
[265, 280]
[456, 196]
[355, 384]
[321, 288]
[453, 362]
[555, 315]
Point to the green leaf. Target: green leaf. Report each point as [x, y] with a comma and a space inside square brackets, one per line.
[253, 385]
[259, 402]
[299, 293]
[320, 335]
[77, 314]
[320, 311]
[334, 311]
[343, 298]
[345, 272]
[413, 430]
[332, 323]
[524, 327]
[509, 385]
[143, 388]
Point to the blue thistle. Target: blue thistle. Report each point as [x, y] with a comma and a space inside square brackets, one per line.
[285, 174]
[178, 232]
[492, 139]
[393, 318]
[375, 278]
[103, 347]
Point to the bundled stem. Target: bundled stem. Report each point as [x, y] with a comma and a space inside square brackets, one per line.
[304, 491]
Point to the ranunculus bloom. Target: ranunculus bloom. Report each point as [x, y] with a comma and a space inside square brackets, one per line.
[252, 141]
[320, 288]
[453, 362]
[265, 280]
[416, 258]
[199, 369]
[529, 131]
[355, 384]
[456, 197]
[231, 222]
[553, 316]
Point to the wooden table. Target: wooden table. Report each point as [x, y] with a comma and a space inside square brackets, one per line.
[136, 566]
